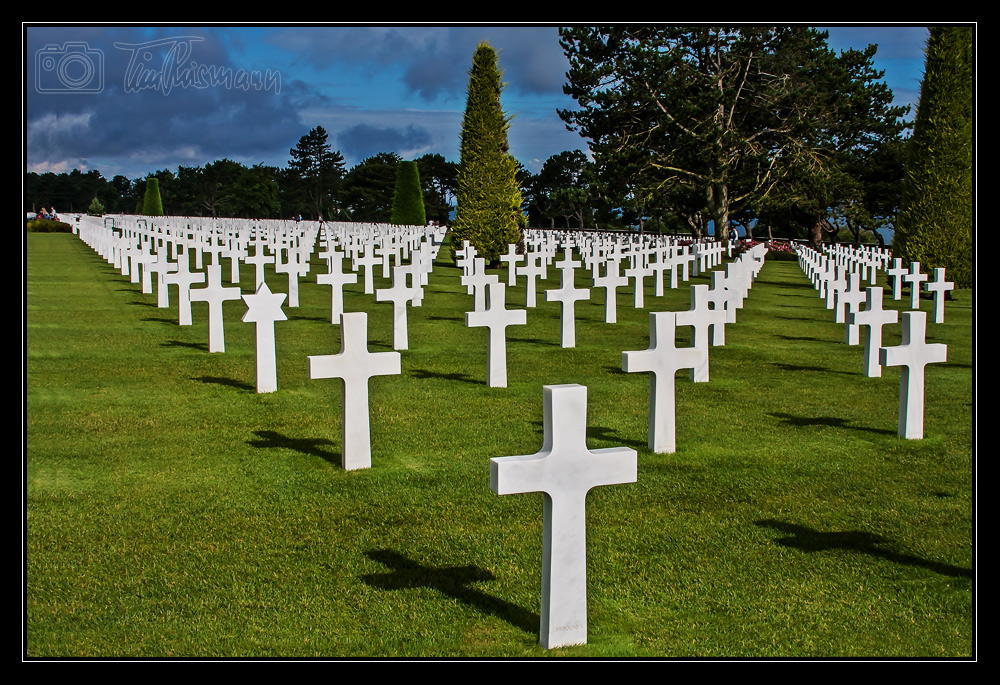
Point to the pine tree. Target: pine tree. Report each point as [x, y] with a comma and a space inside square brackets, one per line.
[936, 218]
[317, 170]
[152, 205]
[488, 212]
[408, 202]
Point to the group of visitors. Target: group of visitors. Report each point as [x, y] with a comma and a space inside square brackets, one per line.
[47, 214]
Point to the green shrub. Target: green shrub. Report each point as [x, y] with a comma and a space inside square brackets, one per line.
[48, 226]
[408, 201]
[488, 212]
[96, 208]
[936, 219]
[152, 205]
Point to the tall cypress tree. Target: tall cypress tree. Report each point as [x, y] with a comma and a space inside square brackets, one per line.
[408, 202]
[936, 217]
[488, 212]
[152, 205]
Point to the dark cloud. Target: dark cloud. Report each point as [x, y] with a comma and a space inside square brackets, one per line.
[363, 140]
[433, 60]
[145, 111]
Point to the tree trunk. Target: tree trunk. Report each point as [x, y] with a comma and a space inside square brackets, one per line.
[718, 209]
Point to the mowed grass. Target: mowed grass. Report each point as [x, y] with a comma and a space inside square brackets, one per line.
[171, 510]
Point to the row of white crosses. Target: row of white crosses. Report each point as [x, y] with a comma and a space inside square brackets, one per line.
[565, 469]
[831, 273]
[264, 308]
[913, 353]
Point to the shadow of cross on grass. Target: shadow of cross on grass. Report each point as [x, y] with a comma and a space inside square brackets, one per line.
[304, 445]
[832, 421]
[811, 540]
[450, 580]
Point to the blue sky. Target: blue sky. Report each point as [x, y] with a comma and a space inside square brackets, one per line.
[89, 101]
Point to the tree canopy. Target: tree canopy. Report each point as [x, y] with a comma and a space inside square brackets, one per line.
[937, 216]
[318, 169]
[718, 120]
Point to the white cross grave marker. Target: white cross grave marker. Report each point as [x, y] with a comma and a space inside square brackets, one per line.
[638, 273]
[368, 260]
[938, 286]
[848, 301]
[336, 278]
[896, 273]
[214, 294]
[610, 281]
[511, 259]
[564, 470]
[354, 364]
[913, 354]
[161, 267]
[872, 318]
[399, 294]
[702, 319]
[567, 294]
[914, 278]
[532, 270]
[263, 309]
[477, 280]
[497, 317]
[663, 360]
[183, 279]
[259, 259]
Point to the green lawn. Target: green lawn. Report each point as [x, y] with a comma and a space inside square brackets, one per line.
[170, 510]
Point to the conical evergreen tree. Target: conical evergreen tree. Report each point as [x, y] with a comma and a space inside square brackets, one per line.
[488, 212]
[408, 202]
[936, 217]
[152, 205]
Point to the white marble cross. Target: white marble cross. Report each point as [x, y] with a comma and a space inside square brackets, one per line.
[896, 273]
[477, 281]
[567, 294]
[336, 279]
[723, 298]
[657, 269]
[915, 278]
[143, 260]
[161, 267]
[263, 309]
[259, 259]
[235, 252]
[399, 295]
[913, 354]
[565, 470]
[295, 268]
[702, 320]
[663, 359]
[638, 273]
[848, 301]
[214, 294]
[611, 281]
[368, 260]
[497, 317]
[354, 364]
[511, 259]
[872, 318]
[938, 286]
[183, 278]
[532, 270]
